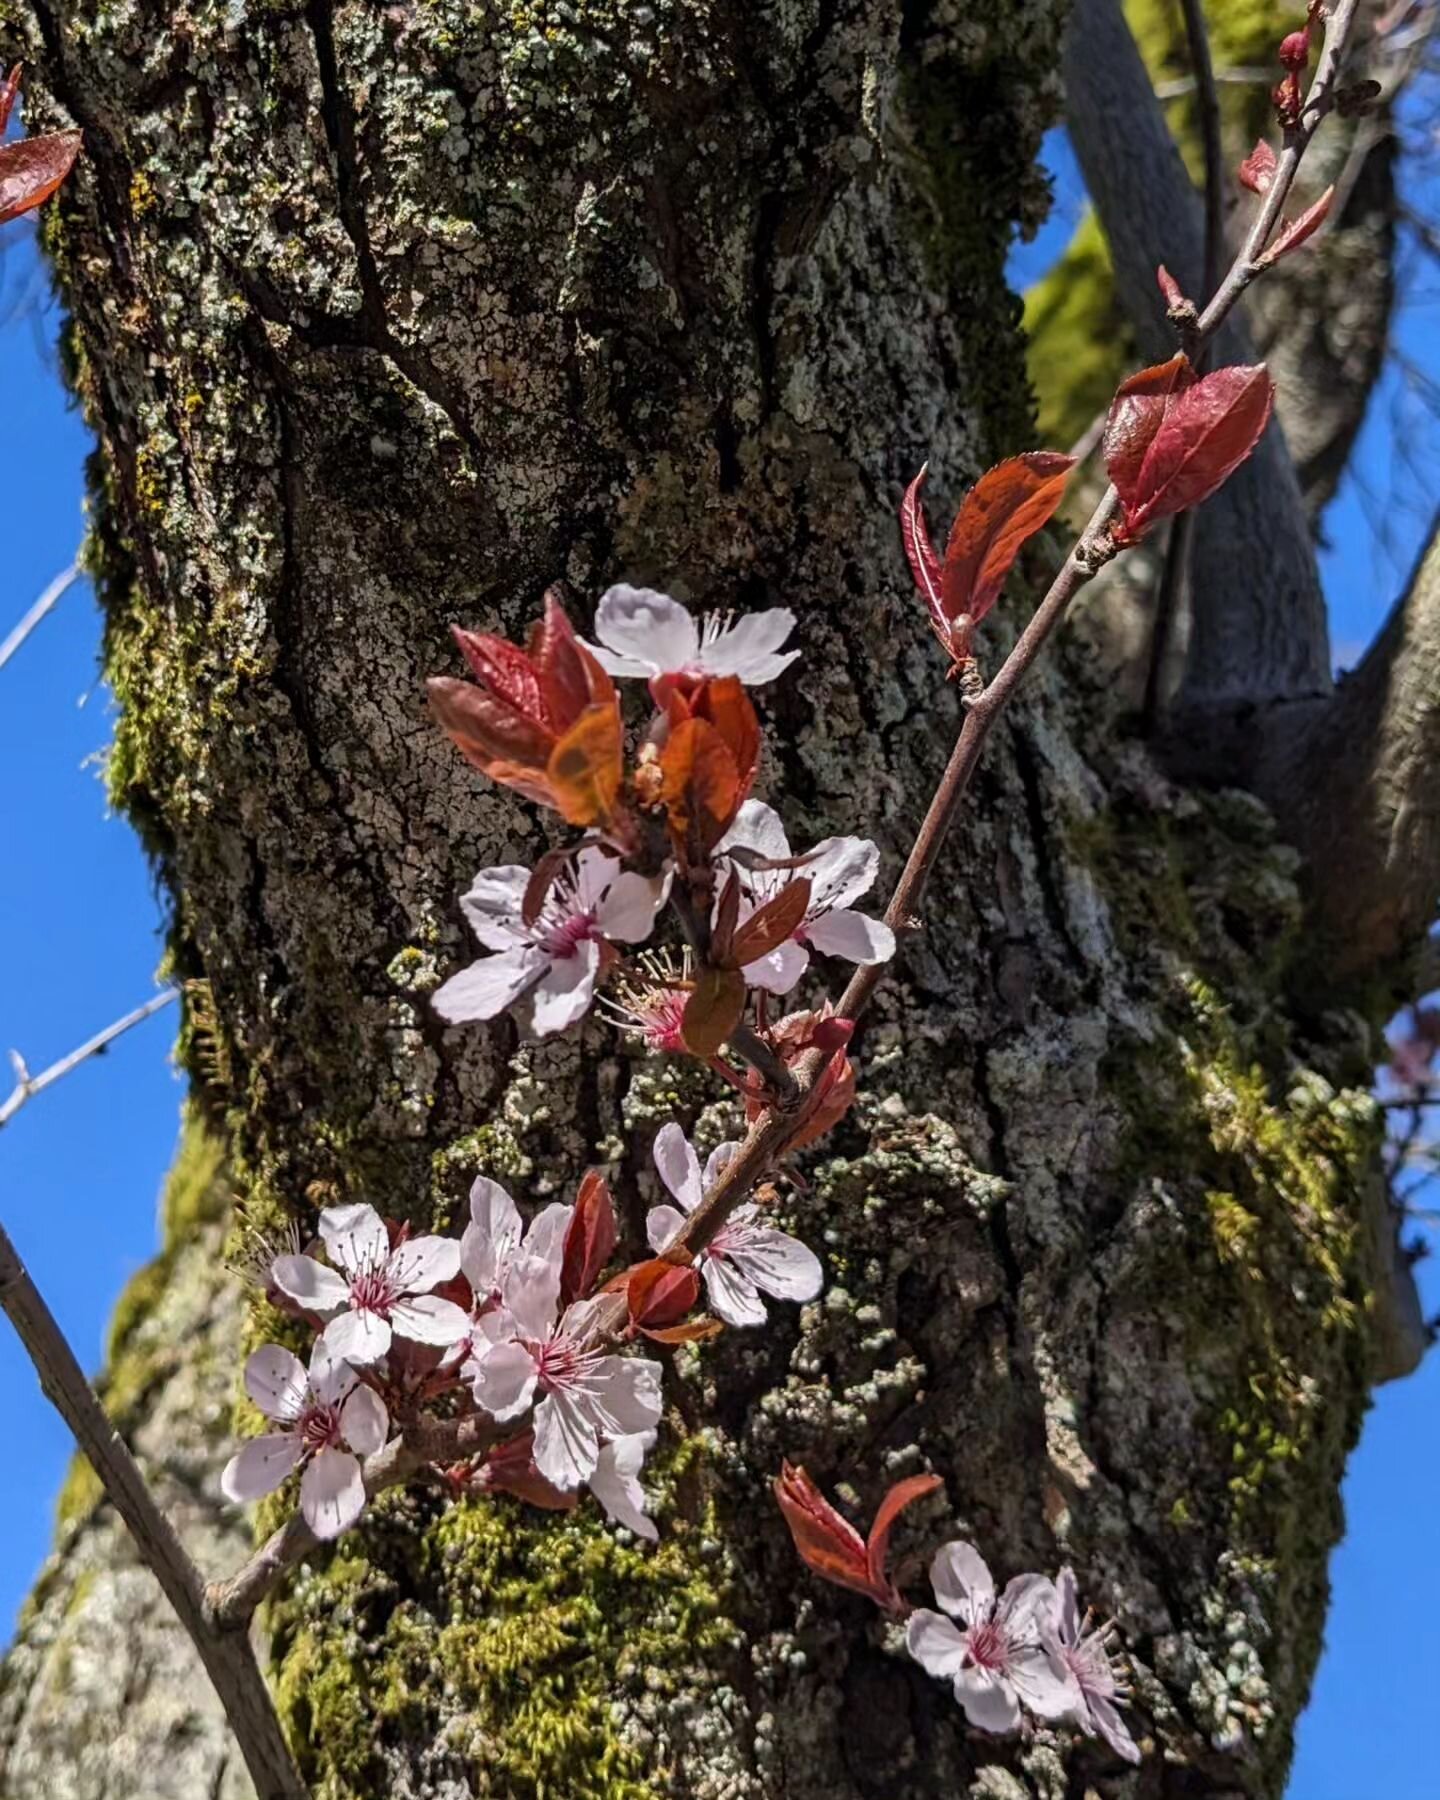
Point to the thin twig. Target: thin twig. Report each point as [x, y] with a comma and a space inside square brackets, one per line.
[228, 1657]
[27, 1086]
[45, 604]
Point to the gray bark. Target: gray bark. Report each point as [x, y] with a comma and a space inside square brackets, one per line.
[388, 318]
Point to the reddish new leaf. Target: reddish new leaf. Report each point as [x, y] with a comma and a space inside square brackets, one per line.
[1294, 233]
[1008, 505]
[544, 876]
[920, 553]
[1134, 418]
[826, 1542]
[9, 89]
[1170, 289]
[877, 1545]
[570, 677]
[31, 170]
[507, 673]
[660, 1293]
[771, 925]
[700, 787]
[1206, 431]
[693, 1331]
[715, 1007]
[723, 703]
[586, 766]
[1258, 169]
[727, 916]
[591, 1239]
[488, 737]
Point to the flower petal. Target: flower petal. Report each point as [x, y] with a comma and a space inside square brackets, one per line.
[364, 1422]
[492, 1236]
[422, 1263]
[356, 1238]
[492, 906]
[1027, 1607]
[678, 1165]
[757, 827]
[532, 1294]
[629, 1391]
[717, 1162]
[1045, 1685]
[1067, 1609]
[1113, 1728]
[662, 1226]
[427, 1319]
[258, 1468]
[359, 1336]
[504, 1381]
[748, 647]
[778, 972]
[935, 1643]
[310, 1284]
[487, 987]
[989, 1701]
[567, 1446]
[331, 1378]
[565, 990]
[615, 1483]
[962, 1582]
[732, 1298]
[778, 1264]
[644, 633]
[627, 913]
[854, 935]
[277, 1382]
[332, 1493]
[545, 1234]
[840, 869]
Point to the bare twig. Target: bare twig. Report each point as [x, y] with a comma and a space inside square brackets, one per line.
[228, 1657]
[1207, 103]
[45, 604]
[28, 1085]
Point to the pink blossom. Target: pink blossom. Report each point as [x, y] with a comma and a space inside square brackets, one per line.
[317, 1414]
[996, 1657]
[375, 1293]
[496, 1236]
[550, 966]
[1086, 1654]
[647, 634]
[651, 1004]
[746, 1257]
[839, 870]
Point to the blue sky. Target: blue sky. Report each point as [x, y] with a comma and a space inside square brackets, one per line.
[81, 1167]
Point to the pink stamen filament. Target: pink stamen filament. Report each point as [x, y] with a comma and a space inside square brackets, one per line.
[319, 1427]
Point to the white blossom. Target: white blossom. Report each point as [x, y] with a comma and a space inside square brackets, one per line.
[647, 634]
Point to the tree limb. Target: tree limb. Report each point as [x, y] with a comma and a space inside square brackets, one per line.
[44, 605]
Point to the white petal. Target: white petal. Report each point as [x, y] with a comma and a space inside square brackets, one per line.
[545, 1235]
[276, 1381]
[628, 1388]
[854, 935]
[427, 1319]
[331, 1378]
[627, 913]
[492, 906]
[566, 989]
[567, 1446]
[1045, 1685]
[748, 648]
[645, 632]
[778, 1264]
[260, 1466]
[840, 869]
[582, 1319]
[662, 1226]
[1028, 1607]
[962, 1583]
[989, 1701]
[364, 1422]
[757, 827]
[717, 1162]
[1067, 1609]
[358, 1336]
[310, 1284]
[532, 1294]
[504, 1381]
[678, 1164]
[332, 1493]
[422, 1263]
[491, 1237]
[487, 987]
[732, 1298]
[935, 1644]
[778, 972]
[356, 1238]
[1113, 1729]
[615, 1484]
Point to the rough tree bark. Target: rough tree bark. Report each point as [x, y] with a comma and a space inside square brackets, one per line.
[390, 316]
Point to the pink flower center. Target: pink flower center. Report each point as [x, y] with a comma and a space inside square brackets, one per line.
[986, 1648]
[561, 1362]
[319, 1427]
[373, 1291]
[563, 939]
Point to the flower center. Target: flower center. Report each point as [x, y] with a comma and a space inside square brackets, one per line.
[320, 1427]
[372, 1291]
[565, 937]
[561, 1362]
[986, 1648]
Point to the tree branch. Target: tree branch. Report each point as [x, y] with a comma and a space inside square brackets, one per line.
[27, 1086]
[47, 603]
[228, 1657]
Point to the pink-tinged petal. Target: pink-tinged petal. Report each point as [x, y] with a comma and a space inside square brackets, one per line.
[628, 1389]
[757, 827]
[1045, 1685]
[310, 1284]
[259, 1467]
[566, 989]
[627, 913]
[427, 1319]
[492, 1236]
[663, 1225]
[840, 869]
[504, 1381]
[332, 1493]
[854, 935]
[748, 647]
[592, 870]
[778, 972]
[276, 1381]
[423, 1263]
[532, 1294]
[582, 1319]
[778, 1264]
[356, 1238]
[1067, 1608]
[962, 1582]
[717, 1162]
[643, 632]
[364, 1422]
[1027, 1607]
[567, 1446]
[989, 1701]
[1113, 1728]
[732, 1298]
[615, 1483]
[678, 1165]
[492, 906]
[487, 987]
[331, 1378]
[545, 1235]
[935, 1643]
[360, 1337]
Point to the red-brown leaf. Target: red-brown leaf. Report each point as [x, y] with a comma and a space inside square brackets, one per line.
[569, 675]
[723, 703]
[1007, 505]
[8, 92]
[693, 1331]
[544, 876]
[924, 563]
[507, 672]
[1206, 432]
[1258, 169]
[715, 1007]
[700, 786]
[1170, 289]
[32, 168]
[1134, 418]
[772, 924]
[490, 737]
[586, 766]
[591, 1239]
[877, 1545]
[825, 1542]
[660, 1293]
[727, 915]
[1294, 233]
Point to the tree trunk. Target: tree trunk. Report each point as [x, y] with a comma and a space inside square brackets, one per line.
[388, 317]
